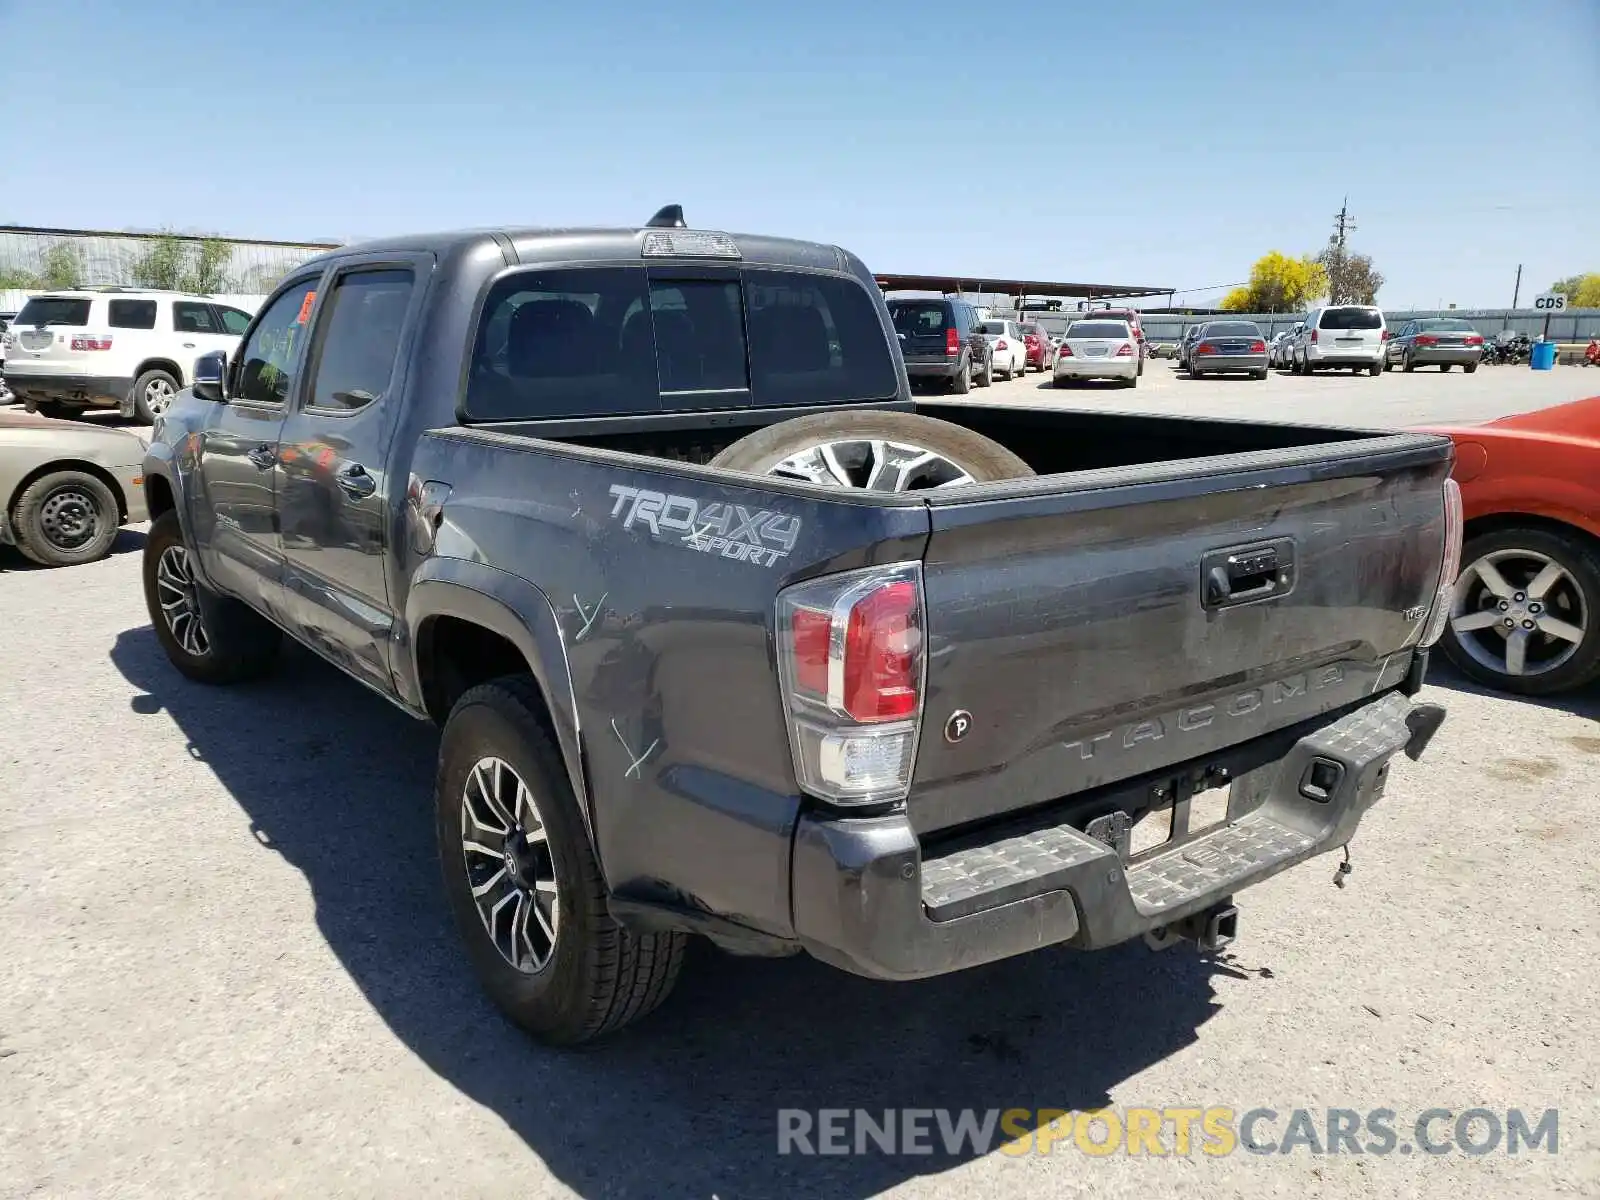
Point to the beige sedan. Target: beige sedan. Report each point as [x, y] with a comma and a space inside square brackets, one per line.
[67, 487]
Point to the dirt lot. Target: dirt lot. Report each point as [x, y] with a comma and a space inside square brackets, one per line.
[228, 968]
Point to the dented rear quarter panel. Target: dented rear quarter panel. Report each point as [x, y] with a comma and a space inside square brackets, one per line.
[668, 643]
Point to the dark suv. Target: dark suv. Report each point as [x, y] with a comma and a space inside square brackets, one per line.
[943, 340]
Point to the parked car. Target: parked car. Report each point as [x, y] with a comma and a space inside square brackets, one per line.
[1275, 348]
[1008, 346]
[5, 326]
[116, 348]
[1444, 342]
[1191, 335]
[67, 487]
[1097, 349]
[1039, 347]
[1525, 611]
[1225, 347]
[1342, 335]
[942, 342]
[628, 514]
[1131, 316]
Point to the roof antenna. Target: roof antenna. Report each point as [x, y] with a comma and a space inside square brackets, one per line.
[670, 217]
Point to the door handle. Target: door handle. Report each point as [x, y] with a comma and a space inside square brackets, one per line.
[188, 345]
[354, 481]
[264, 457]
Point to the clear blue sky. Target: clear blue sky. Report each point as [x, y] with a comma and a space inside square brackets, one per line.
[927, 137]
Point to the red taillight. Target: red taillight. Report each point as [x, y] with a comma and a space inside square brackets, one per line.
[1313, 337]
[90, 343]
[1063, 351]
[1000, 345]
[1426, 339]
[880, 654]
[952, 342]
[1125, 350]
[1385, 336]
[1258, 347]
[1474, 340]
[850, 654]
[1205, 348]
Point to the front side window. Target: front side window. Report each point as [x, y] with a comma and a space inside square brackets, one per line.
[268, 363]
[356, 352]
[233, 320]
[132, 314]
[190, 317]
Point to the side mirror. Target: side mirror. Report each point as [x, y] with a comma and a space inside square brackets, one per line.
[211, 376]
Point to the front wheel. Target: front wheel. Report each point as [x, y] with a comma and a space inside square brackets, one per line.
[1407, 365]
[209, 638]
[522, 881]
[66, 518]
[1525, 612]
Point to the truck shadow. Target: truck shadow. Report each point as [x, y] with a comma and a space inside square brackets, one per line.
[686, 1103]
[1580, 702]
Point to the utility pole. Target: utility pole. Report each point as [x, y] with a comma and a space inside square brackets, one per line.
[1517, 291]
[1343, 224]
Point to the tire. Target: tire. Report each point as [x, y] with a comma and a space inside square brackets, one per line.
[152, 394]
[1470, 368]
[597, 976]
[981, 458]
[1262, 374]
[234, 643]
[1195, 372]
[1373, 370]
[66, 518]
[961, 381]
[1388, 363]
[52, 409]
[1578, 589]
[987, 378]
[1444, 368]
[1406, 364]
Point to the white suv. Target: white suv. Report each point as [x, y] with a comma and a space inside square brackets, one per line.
[116, 348]
[1340, 335]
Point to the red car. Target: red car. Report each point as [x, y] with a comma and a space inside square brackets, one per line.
[1526, 612]
[1038, 344]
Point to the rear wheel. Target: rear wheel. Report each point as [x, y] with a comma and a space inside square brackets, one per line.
[153, 393]
[1470, 368]
[66, 518]
[1444, 368]
[523, 883]
[961, 381]
[209, 638]
[1525, 613]
[987, 378]
[1374, 369]
[1261, 374]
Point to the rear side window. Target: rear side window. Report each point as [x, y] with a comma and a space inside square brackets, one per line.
[1351, 318]
[189, 317]
[1098, 329]
[815, 339]
[361, 338]
[54, 310]
[133, 314]
[915, 320]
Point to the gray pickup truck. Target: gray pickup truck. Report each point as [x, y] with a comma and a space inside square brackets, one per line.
[728, 636]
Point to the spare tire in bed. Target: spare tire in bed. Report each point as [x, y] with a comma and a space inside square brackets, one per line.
[880, 451]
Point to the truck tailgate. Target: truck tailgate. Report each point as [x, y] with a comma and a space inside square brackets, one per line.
[1101, 625]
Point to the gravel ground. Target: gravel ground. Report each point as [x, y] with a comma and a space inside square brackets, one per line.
[228, 968]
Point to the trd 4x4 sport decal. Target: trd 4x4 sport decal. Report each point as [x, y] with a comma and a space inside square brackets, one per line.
[729, 530]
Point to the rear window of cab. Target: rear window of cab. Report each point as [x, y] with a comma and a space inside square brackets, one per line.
[70, 311]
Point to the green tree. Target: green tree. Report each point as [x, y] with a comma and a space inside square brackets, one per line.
[209, 272]
[161, 266]
[1352, 279]
[1278, 283]
[61, 266]
[16, 277]
[1581, 291]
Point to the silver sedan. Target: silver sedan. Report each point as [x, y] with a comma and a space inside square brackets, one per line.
[67, 487]
[1229, 346]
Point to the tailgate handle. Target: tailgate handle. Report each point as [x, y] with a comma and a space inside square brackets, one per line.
[1238, 576]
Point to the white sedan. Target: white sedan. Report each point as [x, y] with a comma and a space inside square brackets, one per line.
[1097, 350]
[1010, 350]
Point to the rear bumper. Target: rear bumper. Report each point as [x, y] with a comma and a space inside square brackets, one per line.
[1082, 367]
[1423, 356]
[1334, 355]
[867, 901]
[1231, 362]
[101, 391]
[944, 368]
